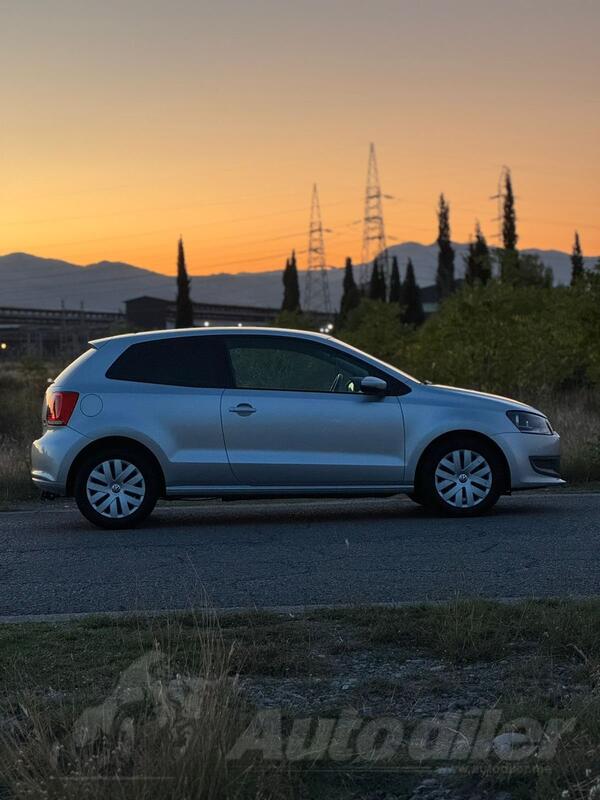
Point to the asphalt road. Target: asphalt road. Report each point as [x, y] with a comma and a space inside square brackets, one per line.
[297, 553]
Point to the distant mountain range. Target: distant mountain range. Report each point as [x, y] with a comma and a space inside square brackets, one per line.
[28, 281]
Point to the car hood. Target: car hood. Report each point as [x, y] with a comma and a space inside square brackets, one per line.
[449, 393]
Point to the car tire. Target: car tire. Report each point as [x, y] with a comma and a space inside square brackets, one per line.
[461, 476]
[117, 487]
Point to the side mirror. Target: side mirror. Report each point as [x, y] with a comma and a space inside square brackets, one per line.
[372, 385]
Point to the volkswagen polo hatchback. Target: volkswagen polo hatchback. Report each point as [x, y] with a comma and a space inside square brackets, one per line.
[251, 412]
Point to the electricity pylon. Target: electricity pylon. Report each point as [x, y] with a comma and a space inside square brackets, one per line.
[316, 291]
[374, 243]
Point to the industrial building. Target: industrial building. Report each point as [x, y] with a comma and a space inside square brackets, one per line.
[63, 333]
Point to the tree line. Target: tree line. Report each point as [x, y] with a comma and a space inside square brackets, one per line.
[482, 262]
[504, 328]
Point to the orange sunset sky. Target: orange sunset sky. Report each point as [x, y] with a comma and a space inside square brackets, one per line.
[125, 123]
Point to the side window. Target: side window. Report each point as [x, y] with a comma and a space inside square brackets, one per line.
[296, 365]
[350, 372]
[197, 361]
[273, 362]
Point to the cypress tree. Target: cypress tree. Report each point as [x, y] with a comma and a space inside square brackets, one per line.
[394, 282]
[509, 217]
[478, 261]
[377, 283]
[410, 298]
[512, 266]
[351, 295]
[471, 267]
[577, 266]
[445, 269]
[291, 288]
[374, 283]
[483, 255]
[382, 284]
[184, 310]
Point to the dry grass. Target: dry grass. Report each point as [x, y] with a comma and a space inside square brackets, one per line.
[576, 416]
[469, 630]
[150, 750]
[162, 732]
[22, 388]
[15, 483]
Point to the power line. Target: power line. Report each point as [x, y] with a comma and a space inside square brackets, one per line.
[175, 228]
[136, 211]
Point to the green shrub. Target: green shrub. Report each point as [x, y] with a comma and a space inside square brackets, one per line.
[496, 338]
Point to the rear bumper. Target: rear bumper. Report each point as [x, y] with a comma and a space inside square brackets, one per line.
[534, 460]
[51, 458]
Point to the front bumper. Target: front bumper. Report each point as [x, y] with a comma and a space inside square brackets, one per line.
[546, 465]
[525, 452]
[51, 458]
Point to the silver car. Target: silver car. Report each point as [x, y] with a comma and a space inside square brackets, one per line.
[252, 412]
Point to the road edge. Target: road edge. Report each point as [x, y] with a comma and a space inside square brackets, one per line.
[291, 611]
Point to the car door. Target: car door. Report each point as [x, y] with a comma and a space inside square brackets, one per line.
[295, 417]
[166, 392]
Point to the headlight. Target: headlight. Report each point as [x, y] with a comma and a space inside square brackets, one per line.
[527, 422]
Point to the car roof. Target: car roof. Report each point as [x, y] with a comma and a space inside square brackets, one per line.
[144, 336]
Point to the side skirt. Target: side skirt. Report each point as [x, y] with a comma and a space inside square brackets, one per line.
[241, 492]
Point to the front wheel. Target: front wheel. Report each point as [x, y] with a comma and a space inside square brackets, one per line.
[461, 477]
[116, 488]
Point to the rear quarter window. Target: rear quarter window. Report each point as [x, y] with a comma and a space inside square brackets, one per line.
[197, 361]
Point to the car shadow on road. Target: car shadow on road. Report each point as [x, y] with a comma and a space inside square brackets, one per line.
[239, 513]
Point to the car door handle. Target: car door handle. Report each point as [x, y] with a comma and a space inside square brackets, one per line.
[243, 409]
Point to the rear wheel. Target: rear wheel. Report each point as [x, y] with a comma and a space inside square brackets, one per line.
[461, 476]
[116, 488]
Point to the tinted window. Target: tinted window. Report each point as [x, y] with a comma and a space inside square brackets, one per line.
[279, 363]
[198, 361]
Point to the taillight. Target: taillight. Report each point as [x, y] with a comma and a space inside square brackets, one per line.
[60, 406]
